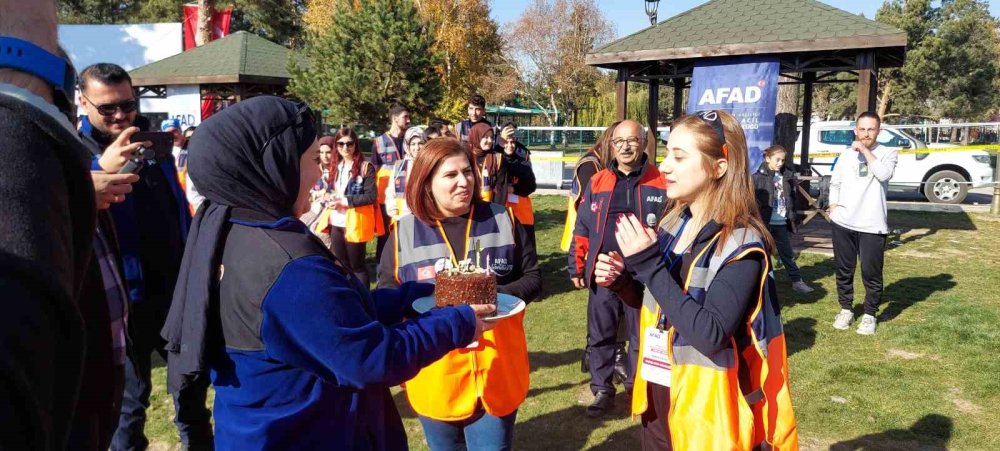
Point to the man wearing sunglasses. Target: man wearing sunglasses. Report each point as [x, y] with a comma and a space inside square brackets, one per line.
[152, 224]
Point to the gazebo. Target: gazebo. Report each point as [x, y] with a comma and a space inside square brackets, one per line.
[217, 74]
[814, 42]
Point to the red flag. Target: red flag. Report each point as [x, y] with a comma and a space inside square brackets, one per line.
[219, 23]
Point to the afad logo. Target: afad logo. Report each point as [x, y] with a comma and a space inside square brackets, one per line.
[736, 94]
[595, 206]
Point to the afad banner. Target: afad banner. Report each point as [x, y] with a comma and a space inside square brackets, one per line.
[745, 87]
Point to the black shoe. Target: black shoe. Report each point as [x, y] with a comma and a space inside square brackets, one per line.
[585, 361]
[603, 402]
[621, 357]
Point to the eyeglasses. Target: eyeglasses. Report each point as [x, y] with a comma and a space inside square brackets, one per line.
[345, 143]
[632, 141]
[109, 109]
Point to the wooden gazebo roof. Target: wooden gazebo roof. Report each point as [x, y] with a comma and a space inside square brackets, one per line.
[240, 58]
[799, 30]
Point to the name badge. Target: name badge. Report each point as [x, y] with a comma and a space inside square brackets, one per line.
[655, 365]
[513, 198]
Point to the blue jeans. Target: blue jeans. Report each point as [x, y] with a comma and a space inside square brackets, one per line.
[480, 432]
[783, 242]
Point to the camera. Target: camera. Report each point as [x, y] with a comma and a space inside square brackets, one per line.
[134, 164]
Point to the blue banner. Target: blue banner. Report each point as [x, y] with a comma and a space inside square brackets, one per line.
[745, 87]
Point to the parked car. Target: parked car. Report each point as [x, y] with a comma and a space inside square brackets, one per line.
[942, 177]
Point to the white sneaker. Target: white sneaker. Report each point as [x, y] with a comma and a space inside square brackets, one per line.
[867, 326]
[843, 319]
[801, 287]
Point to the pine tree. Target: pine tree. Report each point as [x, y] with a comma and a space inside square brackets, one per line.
[373, 55]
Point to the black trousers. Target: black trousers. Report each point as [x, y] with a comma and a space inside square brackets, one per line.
[603, 311]
[655, 432]
[380, 241]
[848, 246]
[350, 254]
[192, 417]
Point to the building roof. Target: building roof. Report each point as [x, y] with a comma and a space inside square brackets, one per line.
[741, 27]
[238, 58]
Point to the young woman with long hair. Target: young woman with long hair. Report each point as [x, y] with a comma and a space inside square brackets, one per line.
[712, 370]
[352, 181]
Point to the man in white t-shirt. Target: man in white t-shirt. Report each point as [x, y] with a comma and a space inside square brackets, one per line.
[858, 209]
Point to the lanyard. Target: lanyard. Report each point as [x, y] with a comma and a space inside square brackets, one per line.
[661, 322]
[468, 230]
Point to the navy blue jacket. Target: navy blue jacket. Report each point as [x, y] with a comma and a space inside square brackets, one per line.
[309, 353]
[126, 222]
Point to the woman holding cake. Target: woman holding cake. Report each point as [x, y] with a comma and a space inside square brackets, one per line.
[469, 398]
[301, 354]
[712, 370]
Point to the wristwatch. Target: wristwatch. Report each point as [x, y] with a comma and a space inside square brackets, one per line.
[55, 70]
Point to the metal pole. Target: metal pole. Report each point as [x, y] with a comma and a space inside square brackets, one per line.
[995, 206]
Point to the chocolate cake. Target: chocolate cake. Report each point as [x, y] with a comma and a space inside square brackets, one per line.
[465, 285]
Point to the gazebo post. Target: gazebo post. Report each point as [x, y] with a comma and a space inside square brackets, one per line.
[867, 82]
[652, 114]
[678, 97]
[807, 110]
[621, 94]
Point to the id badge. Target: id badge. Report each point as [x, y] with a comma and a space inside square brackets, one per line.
[513, 198]
[863, 169]
[655, 365]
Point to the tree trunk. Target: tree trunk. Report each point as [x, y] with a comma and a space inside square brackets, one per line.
[786, 117]
[205, 10]
[883, 103]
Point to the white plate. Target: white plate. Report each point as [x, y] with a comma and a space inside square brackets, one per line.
[507, 306]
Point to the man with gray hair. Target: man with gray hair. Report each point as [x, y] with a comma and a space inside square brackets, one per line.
[631, 184]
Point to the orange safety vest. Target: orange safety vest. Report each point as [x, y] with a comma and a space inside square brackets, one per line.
[522, 209]
[362, 223]
[715, 403]
[495, 373]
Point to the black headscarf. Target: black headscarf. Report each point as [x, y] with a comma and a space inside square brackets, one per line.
[247, 157]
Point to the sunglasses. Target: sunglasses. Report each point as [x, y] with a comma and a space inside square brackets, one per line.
[712, 119]
[109, 109]
[345, 143]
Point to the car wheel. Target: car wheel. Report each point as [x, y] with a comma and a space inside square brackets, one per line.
[946, 187]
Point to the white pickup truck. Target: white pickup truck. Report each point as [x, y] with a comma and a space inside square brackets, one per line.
[942, 177]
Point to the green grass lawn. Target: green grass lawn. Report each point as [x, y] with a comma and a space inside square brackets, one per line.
[929, 379]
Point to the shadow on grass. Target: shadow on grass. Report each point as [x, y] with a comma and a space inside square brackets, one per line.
[810, 274]
[800, 334]
[543, 359]
[570, 428]
[904, 293]
[930, 433]
[927, 224]
[564, 386]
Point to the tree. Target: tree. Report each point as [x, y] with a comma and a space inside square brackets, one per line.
[917, 18]
[275, 20]
[370, 57]
[959, 61]
[470, 47]
[550, 42]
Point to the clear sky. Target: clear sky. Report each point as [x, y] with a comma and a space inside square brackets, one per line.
[629, 16]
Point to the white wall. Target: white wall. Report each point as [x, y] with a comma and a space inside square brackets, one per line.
[129, 46]
[182, 102]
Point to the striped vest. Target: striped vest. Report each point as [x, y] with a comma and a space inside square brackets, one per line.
[737, 398]
[389, 154]
[575, 193]
[420, 246]
[494, 374]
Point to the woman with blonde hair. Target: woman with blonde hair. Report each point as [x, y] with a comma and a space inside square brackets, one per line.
[712, 370]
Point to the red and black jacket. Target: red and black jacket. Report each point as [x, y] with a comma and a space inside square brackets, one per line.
[592, 213]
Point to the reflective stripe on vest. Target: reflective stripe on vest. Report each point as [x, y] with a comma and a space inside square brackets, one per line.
[709, 407]
[450, 388]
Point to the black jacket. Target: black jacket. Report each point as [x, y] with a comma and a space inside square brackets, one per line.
[46, 239]
[763, 186]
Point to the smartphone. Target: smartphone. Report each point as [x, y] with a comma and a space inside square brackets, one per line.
[163, 142]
